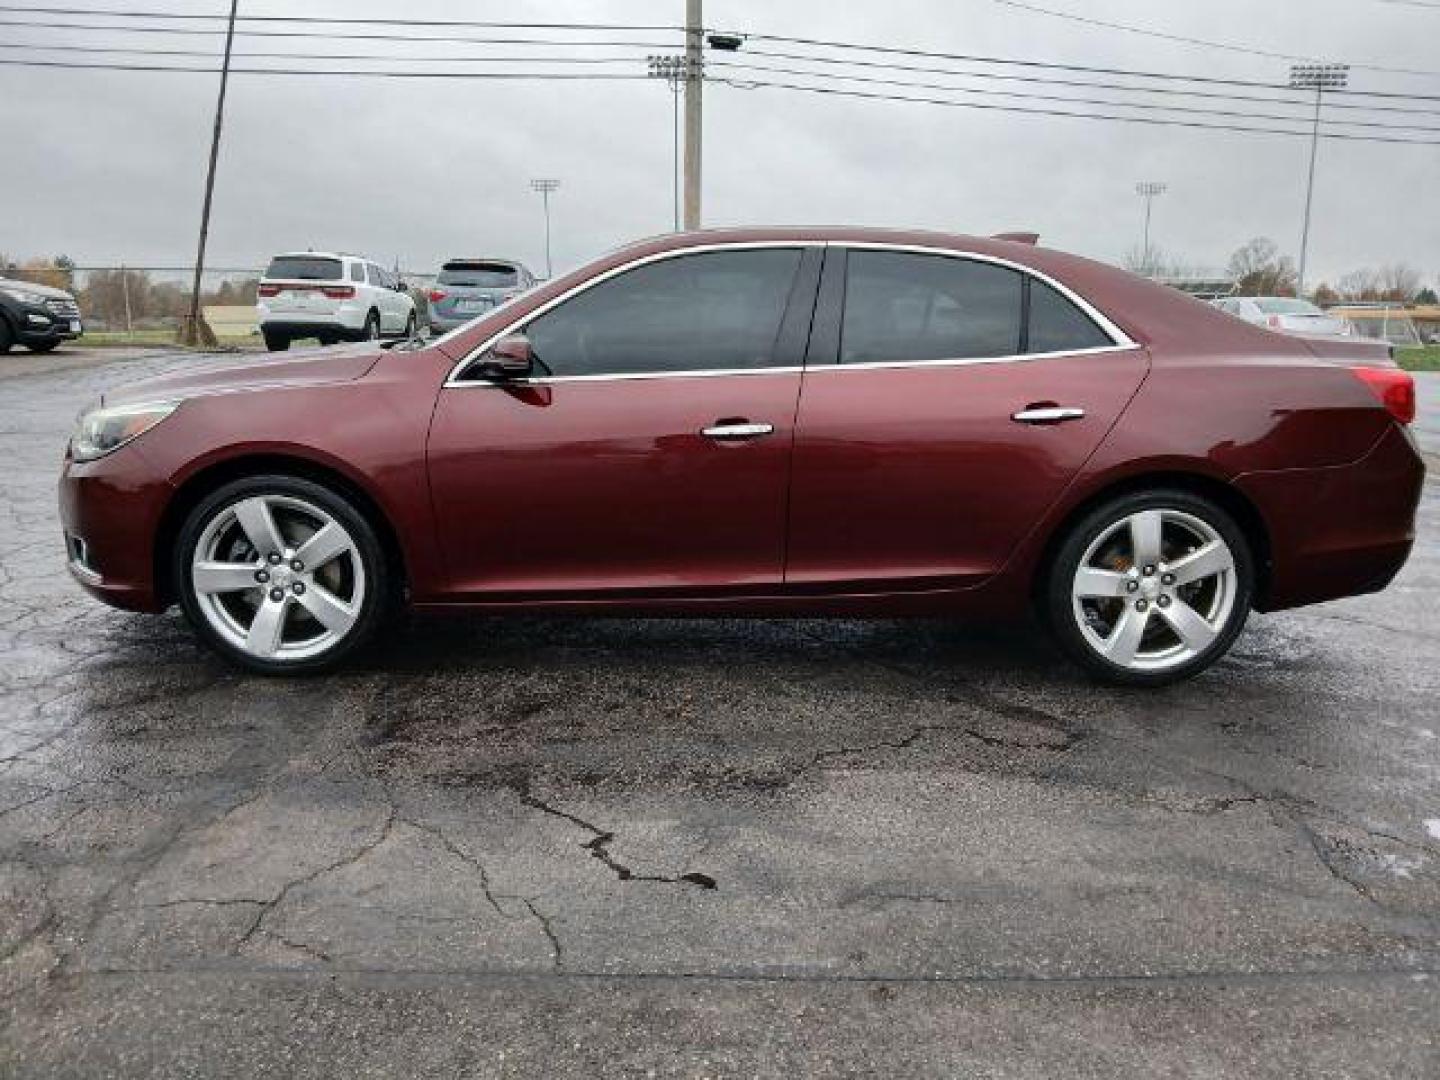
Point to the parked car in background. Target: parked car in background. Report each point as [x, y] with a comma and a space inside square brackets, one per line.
[312, 294]
[1286, 314]
[36, 316]
[466, 288]
[778, 422]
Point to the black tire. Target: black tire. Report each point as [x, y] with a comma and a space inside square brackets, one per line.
[276, 342]
[1058, 604]
[7, 336]
[375, 607]
[410, 326]
[371, 331]
[43, 346]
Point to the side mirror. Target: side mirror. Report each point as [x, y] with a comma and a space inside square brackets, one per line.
[512, 357]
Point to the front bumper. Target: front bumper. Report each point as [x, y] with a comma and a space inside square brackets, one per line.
[111, 510]
[1339, 531]
[55, 321]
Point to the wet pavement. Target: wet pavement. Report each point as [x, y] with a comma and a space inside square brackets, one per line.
[610, 847]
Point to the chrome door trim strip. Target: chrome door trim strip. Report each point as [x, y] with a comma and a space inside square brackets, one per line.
[1122, 341]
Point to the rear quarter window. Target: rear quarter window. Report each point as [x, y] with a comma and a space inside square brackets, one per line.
[1057, 325]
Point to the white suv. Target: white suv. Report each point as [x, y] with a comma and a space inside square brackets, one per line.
[313, 294]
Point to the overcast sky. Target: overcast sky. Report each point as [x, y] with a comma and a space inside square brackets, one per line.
[108, 166]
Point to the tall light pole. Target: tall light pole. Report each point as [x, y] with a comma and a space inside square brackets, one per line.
[545, 186]
[192, 333]
[672, 70]
[1317, 77]
[1147, 190]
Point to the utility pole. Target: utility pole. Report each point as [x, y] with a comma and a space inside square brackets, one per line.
[694, 80]
[545, 186]
[1317, 77]
[195, 332]
[672, 70]
[1147, 190]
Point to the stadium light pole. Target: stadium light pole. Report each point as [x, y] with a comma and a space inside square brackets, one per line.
[1147, 190]
[545, 185]
[1317, 77]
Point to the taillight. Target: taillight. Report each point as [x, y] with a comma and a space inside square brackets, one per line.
[436, 295]
[268, 290]
[339, 292]
[1394, 388]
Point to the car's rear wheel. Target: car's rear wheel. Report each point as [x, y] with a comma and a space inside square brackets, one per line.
[281, 574]
[276, 342]
[372, 327]
[1150, 588]
[410, 326]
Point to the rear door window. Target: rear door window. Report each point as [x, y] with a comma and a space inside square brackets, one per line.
[906, 307]
[357, 272]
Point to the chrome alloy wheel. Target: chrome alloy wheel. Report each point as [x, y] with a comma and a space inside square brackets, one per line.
[1154, 590]
[278, 577]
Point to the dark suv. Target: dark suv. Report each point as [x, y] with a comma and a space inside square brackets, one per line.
[36, 316]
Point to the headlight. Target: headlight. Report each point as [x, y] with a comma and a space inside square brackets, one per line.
[24, 296]
[101, 431]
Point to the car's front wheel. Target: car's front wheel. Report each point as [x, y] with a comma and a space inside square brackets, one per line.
[281, 574]
[1150, 588]
[276, 342]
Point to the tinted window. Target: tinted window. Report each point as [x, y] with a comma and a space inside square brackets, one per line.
[479, 275]
[906, 307]
[304, 268]
[1057, 325]
[357, 272]
[712, 311]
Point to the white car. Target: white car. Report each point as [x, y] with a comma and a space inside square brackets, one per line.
[314, 294]
[1285, 314]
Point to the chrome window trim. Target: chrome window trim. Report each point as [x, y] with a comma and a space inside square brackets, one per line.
[1121, 341]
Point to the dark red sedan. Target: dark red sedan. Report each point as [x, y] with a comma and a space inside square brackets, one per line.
[768, 423]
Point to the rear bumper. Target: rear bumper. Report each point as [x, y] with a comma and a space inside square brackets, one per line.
[110, 510]
[344, 316]
[1339, 531]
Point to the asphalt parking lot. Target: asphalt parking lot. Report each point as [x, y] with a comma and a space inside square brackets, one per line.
[610, 847]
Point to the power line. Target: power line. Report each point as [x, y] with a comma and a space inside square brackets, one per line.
[1166, 77]
[1079, 83]
[338, 20]
[1202, 42]
[203, 55]
[1070, 99]
[1148, 120]
[896, 50]
[356, 73]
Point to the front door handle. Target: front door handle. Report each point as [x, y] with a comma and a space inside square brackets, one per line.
[732, 430]
[1048, 414]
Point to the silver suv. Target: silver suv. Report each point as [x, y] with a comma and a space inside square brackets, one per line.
[467, 288]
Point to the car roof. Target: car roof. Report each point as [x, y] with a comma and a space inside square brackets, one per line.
[319, 255]
[481, 259]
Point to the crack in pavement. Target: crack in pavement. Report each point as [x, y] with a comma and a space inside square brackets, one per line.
[598, 845]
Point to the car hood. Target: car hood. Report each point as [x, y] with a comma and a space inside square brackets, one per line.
[42, 290]
[319, 367]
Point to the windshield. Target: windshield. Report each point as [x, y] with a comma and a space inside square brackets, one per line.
[479, 275]
[304, 268]
[1284, 306]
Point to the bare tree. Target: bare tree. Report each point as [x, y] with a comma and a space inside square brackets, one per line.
[1260, 270]
[1399, 281]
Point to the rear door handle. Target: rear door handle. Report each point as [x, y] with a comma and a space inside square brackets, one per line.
[1048, 414]
[731, 431]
